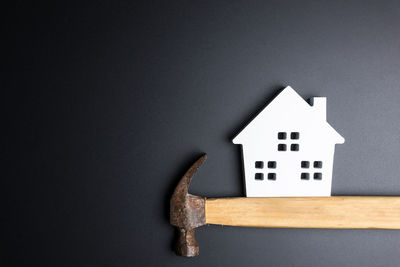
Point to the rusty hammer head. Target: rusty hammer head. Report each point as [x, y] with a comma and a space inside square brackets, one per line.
[187, 212]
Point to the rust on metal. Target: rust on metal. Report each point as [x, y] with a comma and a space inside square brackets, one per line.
[187, 245]
[187, 212]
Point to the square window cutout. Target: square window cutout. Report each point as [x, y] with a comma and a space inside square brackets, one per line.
[294, 147]
[271, 176]
[318, 164]
[305, 176]
[305, 164]
[272, 164]
[281, 135]
[317, 176]
[281, 147]
[259, 176]
[295, 135]
[259, 164]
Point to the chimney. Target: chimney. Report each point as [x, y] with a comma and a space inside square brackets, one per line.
[319, 106]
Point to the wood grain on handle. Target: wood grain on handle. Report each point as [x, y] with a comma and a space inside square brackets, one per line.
[348, 212]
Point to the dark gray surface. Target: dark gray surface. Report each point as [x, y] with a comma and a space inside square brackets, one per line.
[108, 104]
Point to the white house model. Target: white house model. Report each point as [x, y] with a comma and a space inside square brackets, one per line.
[288, 148]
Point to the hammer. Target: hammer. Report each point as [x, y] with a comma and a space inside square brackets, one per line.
[188, 212]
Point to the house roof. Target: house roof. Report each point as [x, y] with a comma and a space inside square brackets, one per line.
[288, 106]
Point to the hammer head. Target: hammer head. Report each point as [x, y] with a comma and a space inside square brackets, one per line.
[187, 212]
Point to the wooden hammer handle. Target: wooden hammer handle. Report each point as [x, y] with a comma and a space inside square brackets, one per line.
[347, 212]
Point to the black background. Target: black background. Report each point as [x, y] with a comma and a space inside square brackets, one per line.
[107, 105]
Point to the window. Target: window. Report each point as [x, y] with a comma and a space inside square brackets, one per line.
[281, 147]
[317, 176]
[318, 164]
[271, 164]
[281, 135]
[295, 135]
[305, 164]
[305, 176]
[294, 145]
[315, 171]
[259, 176]
[259, 164]
[272, 176]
